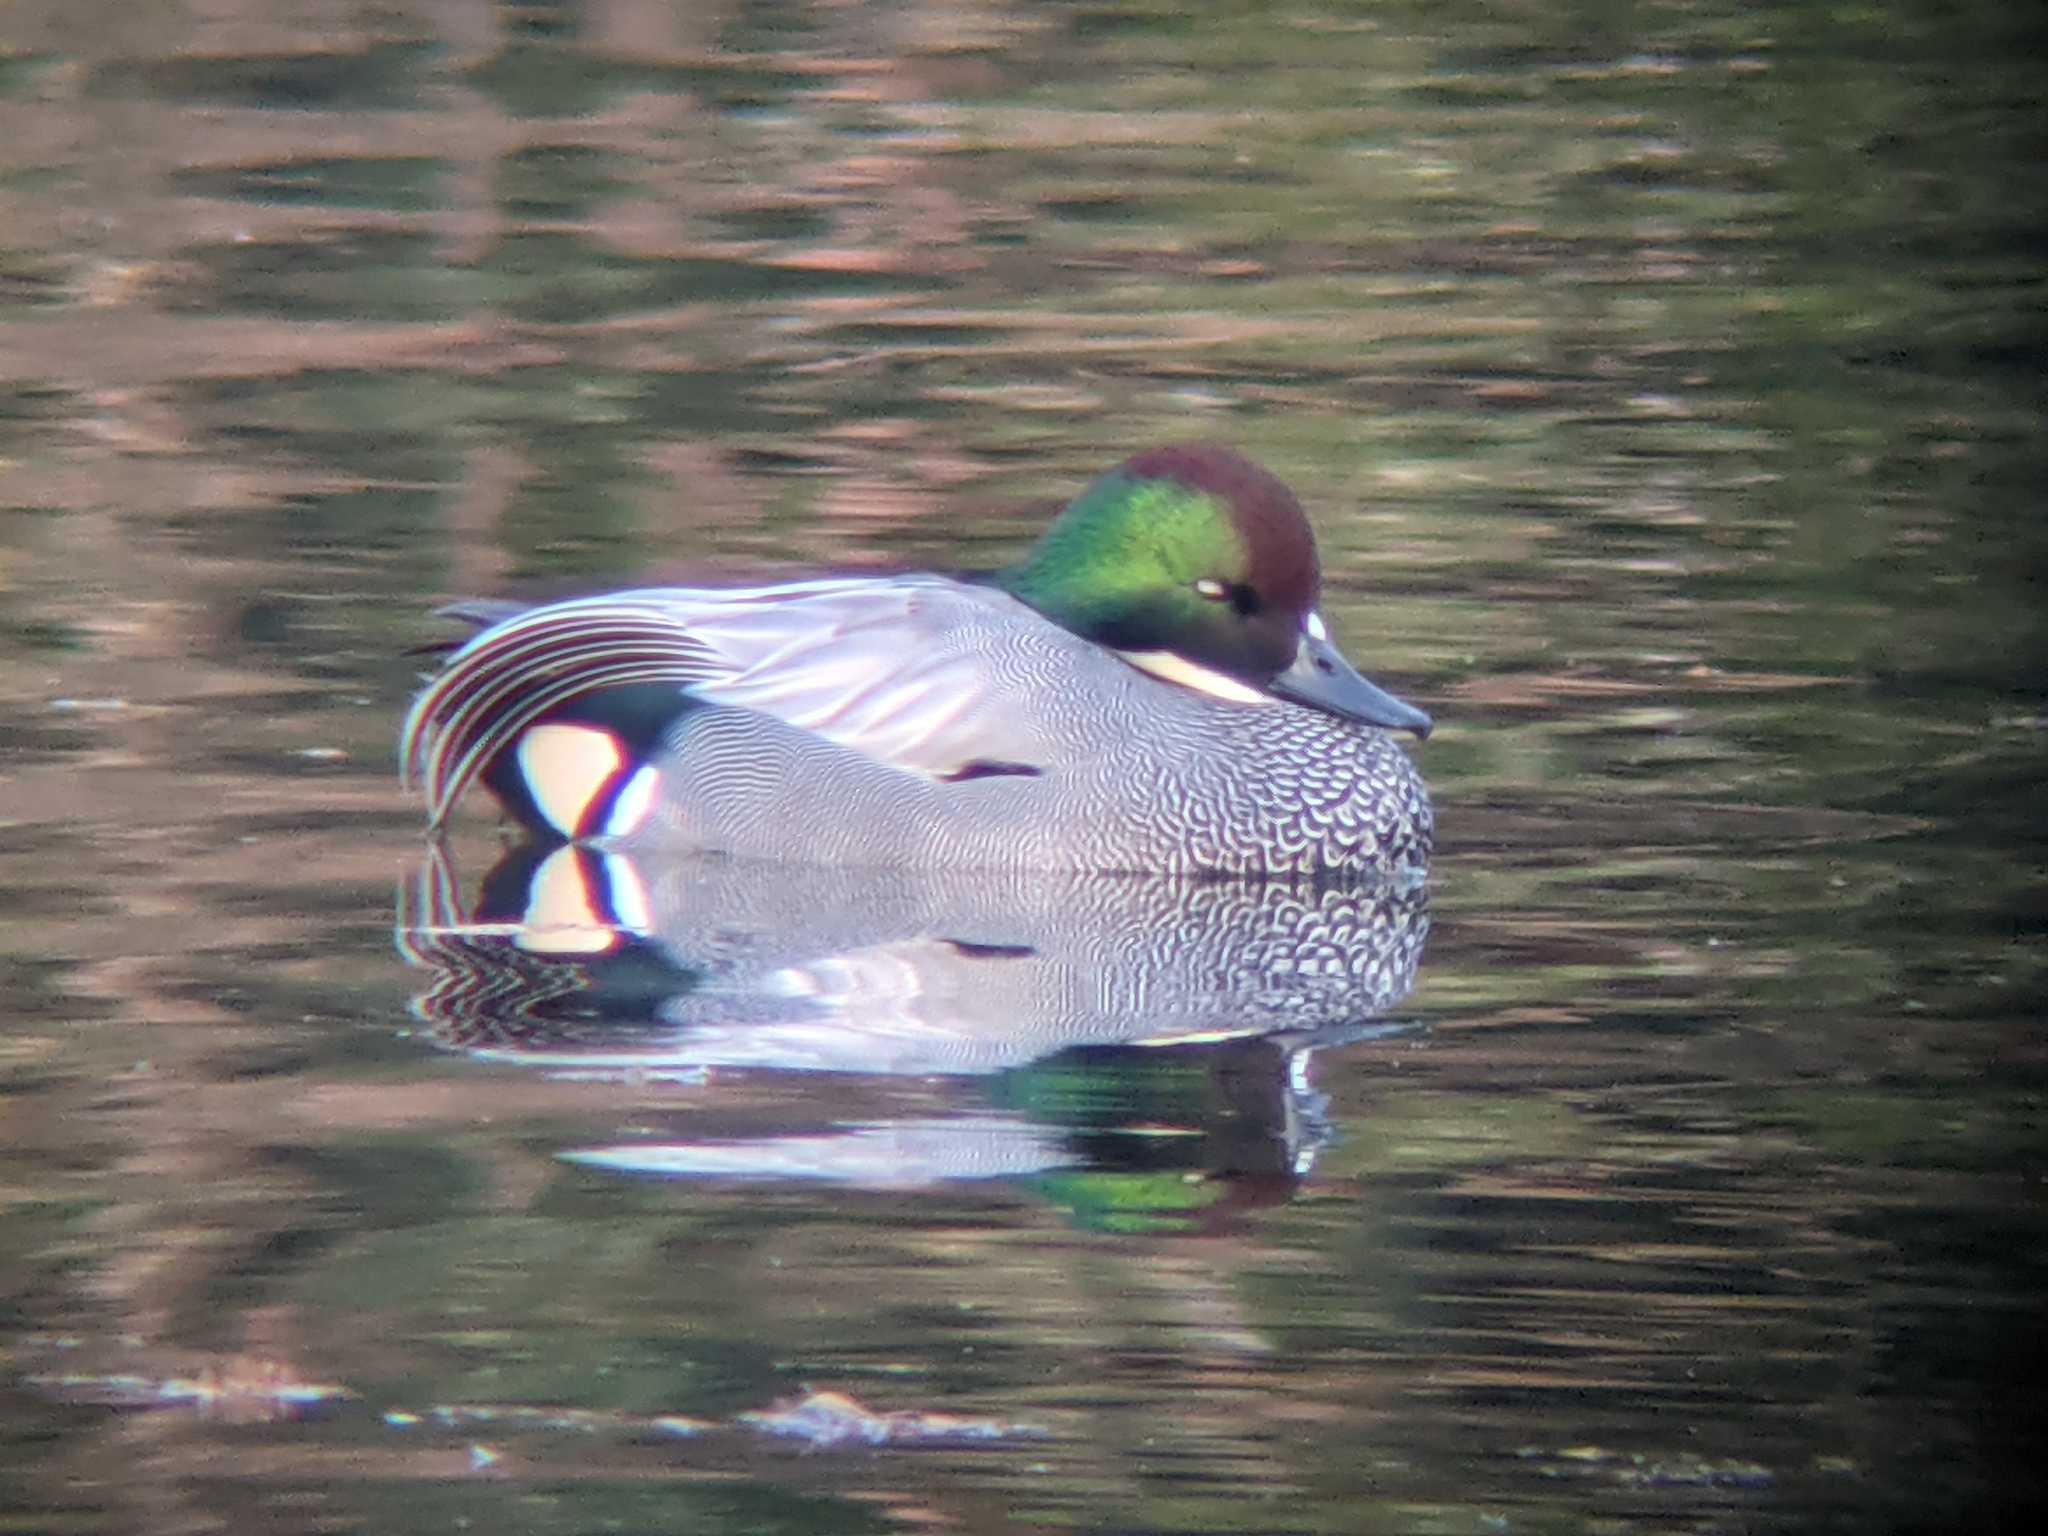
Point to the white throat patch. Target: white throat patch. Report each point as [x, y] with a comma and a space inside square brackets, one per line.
[1175, 668]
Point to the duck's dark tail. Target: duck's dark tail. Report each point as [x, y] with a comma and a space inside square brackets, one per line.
[585, 769]
[558, 710]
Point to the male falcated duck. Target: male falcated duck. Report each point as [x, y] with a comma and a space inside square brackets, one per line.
[1151, 689]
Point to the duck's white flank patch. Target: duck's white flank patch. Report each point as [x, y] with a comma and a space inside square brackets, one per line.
[562, 916]
[1313, 627]
[634, 802]
[566, 767]
[1175, 668]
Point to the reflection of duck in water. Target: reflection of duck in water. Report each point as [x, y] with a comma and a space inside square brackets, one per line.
[1054, 992]
[577, 958]
[1151, 689]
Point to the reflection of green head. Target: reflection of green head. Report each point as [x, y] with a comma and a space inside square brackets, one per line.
[1191, 549]
[1168, 1200]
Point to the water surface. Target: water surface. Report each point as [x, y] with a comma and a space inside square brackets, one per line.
[1665, 383]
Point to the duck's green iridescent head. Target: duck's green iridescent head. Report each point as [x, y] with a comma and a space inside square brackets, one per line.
[1197, 565]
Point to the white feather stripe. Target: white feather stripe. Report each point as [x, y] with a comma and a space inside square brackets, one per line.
[634, 802]
[496, 654]
[463, 701]
[507, 677]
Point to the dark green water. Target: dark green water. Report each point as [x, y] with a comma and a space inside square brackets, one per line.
[1666, 384]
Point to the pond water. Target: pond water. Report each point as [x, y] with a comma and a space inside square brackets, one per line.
[1665, 382]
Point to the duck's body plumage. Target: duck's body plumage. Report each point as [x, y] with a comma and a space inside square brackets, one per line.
[905, 721]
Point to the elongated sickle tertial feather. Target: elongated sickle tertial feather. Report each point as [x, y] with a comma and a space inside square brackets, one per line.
[508, 677]
[896, 670]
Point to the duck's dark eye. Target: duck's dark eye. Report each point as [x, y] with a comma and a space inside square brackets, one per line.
[1238, 594]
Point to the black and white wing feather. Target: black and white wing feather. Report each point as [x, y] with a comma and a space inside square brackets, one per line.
[915, 672]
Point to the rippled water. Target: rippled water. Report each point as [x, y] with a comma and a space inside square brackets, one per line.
[1665, 383]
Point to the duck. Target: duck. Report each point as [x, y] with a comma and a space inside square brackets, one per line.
[1151, 689]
